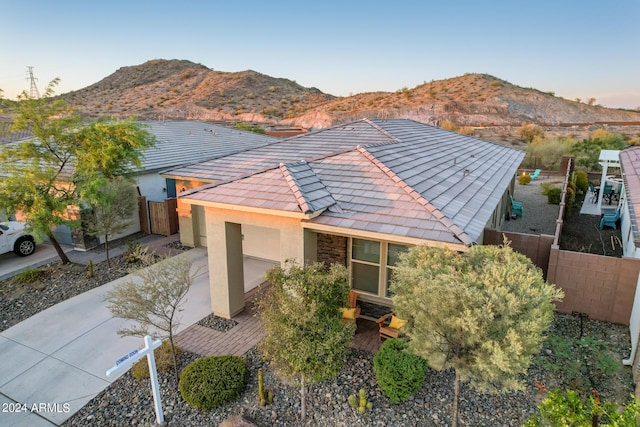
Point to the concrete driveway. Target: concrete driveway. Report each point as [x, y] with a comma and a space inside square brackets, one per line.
[57, 359]
[12, 264]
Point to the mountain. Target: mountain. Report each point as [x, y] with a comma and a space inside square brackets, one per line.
[179, 89]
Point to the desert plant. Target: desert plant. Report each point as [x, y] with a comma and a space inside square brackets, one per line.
[305, 338]
[164, 361]
[554, 195]
[486, 334]
[264, 396]
[29, 275]
[90, 268]
[360, 401]
[213, 381]
[399, 373]
[154, 303]
[524, 179]
[581, 179]
[567, 408]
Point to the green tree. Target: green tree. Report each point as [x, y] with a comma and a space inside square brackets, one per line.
[154, 302]
[305, 337]
[44, 176]
[587, 151]
[114, 202]
[481, 313]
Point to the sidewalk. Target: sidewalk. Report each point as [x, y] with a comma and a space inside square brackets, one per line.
[57, 359]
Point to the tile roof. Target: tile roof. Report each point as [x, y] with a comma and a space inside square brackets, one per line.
[630, 166]
[187, 141]
[408, 179]
[302, 147]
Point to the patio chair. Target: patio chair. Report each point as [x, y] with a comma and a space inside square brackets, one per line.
[535, 174]
[390, 326]
[607, 192]
[351, 313]
[517, 208]
[610, 219]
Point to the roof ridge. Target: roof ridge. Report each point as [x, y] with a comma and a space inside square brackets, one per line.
[380, 129]
[295, 189]
[457, 231]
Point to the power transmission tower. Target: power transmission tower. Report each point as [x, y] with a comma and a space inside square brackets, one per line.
[33, 89]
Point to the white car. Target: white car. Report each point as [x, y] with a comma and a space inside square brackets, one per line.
[13, 237]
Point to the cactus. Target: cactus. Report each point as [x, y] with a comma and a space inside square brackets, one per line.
[265, 398]
[353, 401]
[90, 268]
[360, 401]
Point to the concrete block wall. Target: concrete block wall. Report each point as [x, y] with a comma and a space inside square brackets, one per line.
[602, 287]
[535, 247]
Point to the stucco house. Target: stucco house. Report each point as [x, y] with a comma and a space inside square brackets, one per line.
[357, 193]
[177, 143]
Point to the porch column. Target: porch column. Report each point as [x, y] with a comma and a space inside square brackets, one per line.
[603, 180]
[226, 274]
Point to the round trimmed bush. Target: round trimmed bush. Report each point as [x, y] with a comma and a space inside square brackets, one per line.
[213, 381]
[554, 195]
[524, 179]
[399, 373]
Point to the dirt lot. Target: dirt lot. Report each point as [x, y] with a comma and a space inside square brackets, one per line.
[581, 233]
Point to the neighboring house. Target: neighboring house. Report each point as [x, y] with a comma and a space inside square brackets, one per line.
[629, 222]
[184, 142]
[177, 143]
[357, 194]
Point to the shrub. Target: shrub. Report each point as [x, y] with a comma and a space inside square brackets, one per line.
[554, 195]
[164, 361]
[398, 372]
[28, 276]
[524, 179]
[581, 181]
[213, 381]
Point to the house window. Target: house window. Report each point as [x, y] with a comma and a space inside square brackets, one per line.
[372, 264]
[365, 265]
[393, 253]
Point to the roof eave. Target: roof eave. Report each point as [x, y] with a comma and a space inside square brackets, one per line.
[371, 235]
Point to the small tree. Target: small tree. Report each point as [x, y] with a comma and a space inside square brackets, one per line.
[530, 132]
[481, 313]
[113, 202]
[154, 303]
[305, 337]
[43, 177]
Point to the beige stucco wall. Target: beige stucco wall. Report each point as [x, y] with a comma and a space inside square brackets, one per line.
[261, 242]
[189, 229]
[225, 247]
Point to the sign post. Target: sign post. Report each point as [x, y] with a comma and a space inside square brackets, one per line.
[125, 362]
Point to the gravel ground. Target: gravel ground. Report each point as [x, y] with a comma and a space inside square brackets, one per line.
[539, 216]
[129, 402]
[218, 323]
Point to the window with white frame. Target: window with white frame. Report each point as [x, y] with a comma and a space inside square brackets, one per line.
[372, 264]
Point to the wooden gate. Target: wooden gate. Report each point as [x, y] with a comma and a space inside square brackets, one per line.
[163, 217]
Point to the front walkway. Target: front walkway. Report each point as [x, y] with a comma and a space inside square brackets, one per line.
[246, 334]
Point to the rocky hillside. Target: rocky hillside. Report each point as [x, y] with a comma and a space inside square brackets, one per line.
[471, 100]
[182, 89]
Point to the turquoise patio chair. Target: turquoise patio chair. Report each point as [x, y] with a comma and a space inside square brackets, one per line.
[535, 174]
[517, 208]
[610, 219]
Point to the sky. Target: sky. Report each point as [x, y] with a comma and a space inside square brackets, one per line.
[574, 48]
